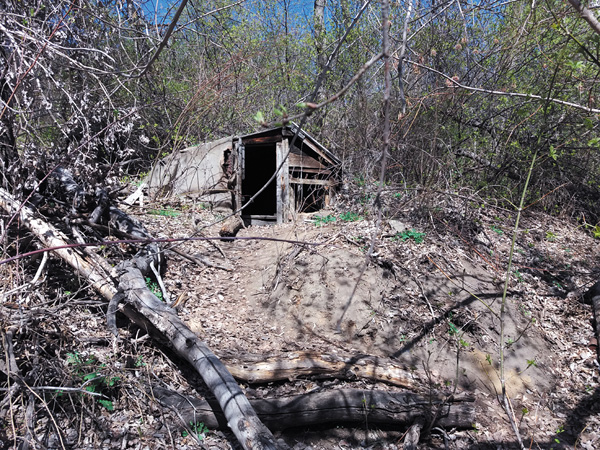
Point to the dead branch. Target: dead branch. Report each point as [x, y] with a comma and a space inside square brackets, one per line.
[338, 406]
[289, 366]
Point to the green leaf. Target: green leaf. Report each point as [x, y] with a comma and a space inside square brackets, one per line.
[587, 123]
[259, 117]
[107, 404]
[594, 142]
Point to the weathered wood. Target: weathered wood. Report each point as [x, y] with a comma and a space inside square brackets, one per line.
[413, 434]
[304, 161]
[231, 226]
[596, 307]
[50, 236]
[241, 418]
[288, 366]
[146, 309]
[312, 181]
[283, 182]
[334, 407]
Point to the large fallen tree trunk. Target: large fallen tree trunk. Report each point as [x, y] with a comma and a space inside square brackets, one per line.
[289, 366]
[340, 406]
[144, 308]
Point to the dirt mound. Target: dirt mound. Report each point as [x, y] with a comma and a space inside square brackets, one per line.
[432, 302]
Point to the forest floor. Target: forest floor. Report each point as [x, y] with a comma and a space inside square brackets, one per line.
[430, 298]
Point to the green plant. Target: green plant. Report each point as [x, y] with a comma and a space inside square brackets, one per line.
[550, 236]
[559, 430]
[398, 195]
[90, 373]
[596, 231]
[518, 275]
[410, 234]
[497, 230]
[154, 288]
[349, 217]
[531, 362]
[164, 212]
[360, 180]
[198, 428]
[323, 220]
[452, 329]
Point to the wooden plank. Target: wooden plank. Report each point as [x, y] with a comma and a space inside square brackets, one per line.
[318, 151]
[305, 161]
[263, 140]
[283, 182]
[239, 172]
[312, 181]
[310, 170]
[259, 217]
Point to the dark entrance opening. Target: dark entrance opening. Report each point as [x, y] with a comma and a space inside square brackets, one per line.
[309, 198]
[261, 162]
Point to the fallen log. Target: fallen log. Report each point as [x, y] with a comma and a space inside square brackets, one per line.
[231, 226]
[144, 308]
[596, 306]
[592, 297]
[381, 408]
[289, 366]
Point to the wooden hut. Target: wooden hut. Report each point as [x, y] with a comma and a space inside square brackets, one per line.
[230, 172]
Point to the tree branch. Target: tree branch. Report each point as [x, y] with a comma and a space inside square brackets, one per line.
[457, 84]
[586, 15]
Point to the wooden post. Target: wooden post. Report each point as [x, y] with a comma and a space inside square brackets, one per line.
[283, 182]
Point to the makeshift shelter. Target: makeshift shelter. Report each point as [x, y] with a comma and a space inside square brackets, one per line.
[229, 172]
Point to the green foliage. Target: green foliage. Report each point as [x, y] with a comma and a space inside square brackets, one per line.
[518, 275]
[154, 288]
[349, 217]
[410, 234]
[198, 428]
[452, 329]
[319, 221]
[550, 236]
[91, 374]
[360, 180]
[164, 212]
[497, 230]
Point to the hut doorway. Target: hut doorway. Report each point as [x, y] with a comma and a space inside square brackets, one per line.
[260, 163]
